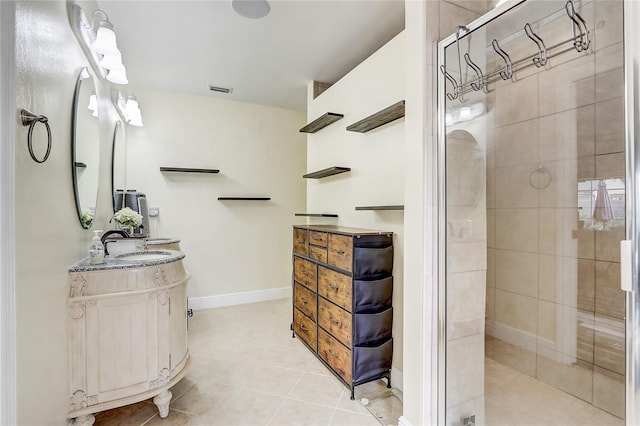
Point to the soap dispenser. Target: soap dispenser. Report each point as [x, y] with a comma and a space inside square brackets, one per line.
[96, 249]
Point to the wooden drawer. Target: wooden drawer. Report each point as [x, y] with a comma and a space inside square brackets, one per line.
[335, 287]
[300, 241]
[340, 251]
[305, 300]
[304, 272]
[334, 354]
[318, 253]
[318, 238]
[305, 328]
[335, 320]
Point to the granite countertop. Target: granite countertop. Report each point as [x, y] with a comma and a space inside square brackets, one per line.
[160, 241]
[115, 263]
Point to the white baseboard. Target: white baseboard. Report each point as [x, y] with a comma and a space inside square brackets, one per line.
[402, 421]
[218, 301]
[396, 378]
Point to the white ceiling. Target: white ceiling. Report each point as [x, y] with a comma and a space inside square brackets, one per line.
[187, 45]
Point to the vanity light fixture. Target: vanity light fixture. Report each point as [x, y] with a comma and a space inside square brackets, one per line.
[464, 113]
[127, 107]
[93, 104]
[98, 40]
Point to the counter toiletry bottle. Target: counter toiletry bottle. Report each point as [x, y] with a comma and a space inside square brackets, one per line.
[96, 249]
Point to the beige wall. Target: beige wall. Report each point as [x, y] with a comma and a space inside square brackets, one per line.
[375, 158]
[231, 246]
[49, 236]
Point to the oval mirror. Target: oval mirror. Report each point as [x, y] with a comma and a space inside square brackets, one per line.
[118, 160]
[85, 147]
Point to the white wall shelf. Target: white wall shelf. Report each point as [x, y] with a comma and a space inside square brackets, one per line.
[378, 119]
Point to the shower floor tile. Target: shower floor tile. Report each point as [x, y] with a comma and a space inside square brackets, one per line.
[514, 398]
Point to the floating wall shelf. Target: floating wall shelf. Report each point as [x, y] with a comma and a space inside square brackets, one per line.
[317, 214]
[244, 198]
[378, 119]
[398, 207]
[321, 122]
[188, 170]
[327, 172]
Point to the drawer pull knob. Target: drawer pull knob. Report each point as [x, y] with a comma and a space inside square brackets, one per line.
[317, 238]
[305, 273]
[333, 286]
[332, 354]
[300, 241]
[304, 300]
[302, 327]
[335, 321]
[341, 252]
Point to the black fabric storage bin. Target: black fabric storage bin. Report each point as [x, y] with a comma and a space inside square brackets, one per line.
[372, 261]
[372, 361]
[372, 296]
[372, 327]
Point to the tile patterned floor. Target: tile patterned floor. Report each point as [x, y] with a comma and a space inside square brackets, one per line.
[247, 370]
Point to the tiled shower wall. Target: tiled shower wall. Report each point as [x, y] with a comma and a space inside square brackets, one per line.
[554, 308]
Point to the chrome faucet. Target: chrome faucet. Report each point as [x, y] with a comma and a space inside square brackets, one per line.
[120, 232]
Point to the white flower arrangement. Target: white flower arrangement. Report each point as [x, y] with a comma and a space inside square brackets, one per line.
[127, 217]
[86, 217]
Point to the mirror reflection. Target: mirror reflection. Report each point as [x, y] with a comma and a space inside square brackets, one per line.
[118, 160]
[85, 148]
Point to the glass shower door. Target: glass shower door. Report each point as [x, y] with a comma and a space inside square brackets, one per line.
[533, 210]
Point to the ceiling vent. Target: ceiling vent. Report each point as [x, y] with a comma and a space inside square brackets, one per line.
[220, 89]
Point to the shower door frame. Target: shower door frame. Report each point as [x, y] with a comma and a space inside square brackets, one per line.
[631, 42]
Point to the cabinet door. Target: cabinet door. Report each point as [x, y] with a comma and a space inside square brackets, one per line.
[122, 342]
[178, 328]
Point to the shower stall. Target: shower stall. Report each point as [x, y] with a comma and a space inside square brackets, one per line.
[536, 195]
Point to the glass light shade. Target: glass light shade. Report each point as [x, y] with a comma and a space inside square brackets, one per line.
[105, 43]
[132, 108]
[118, 76]
[93, 103]
[136, 121]
[112, 61]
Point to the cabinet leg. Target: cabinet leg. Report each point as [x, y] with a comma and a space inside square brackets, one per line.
[87, 420]
[162, 402]
[389, 381]
[353, 393]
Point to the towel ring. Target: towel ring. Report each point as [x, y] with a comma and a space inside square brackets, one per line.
[540, 170]
[30, 119]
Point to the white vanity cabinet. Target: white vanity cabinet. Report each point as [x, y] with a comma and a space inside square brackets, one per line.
[127, 334]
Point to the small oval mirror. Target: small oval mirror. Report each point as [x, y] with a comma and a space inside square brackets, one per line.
[85, 147]
[118, 160]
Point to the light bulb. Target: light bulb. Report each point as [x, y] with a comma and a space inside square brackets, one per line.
[131, 108]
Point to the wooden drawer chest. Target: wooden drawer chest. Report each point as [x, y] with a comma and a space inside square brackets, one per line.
[342, 291]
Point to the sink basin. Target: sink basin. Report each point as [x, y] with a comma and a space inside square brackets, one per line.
[159, 240]
[144, 255]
